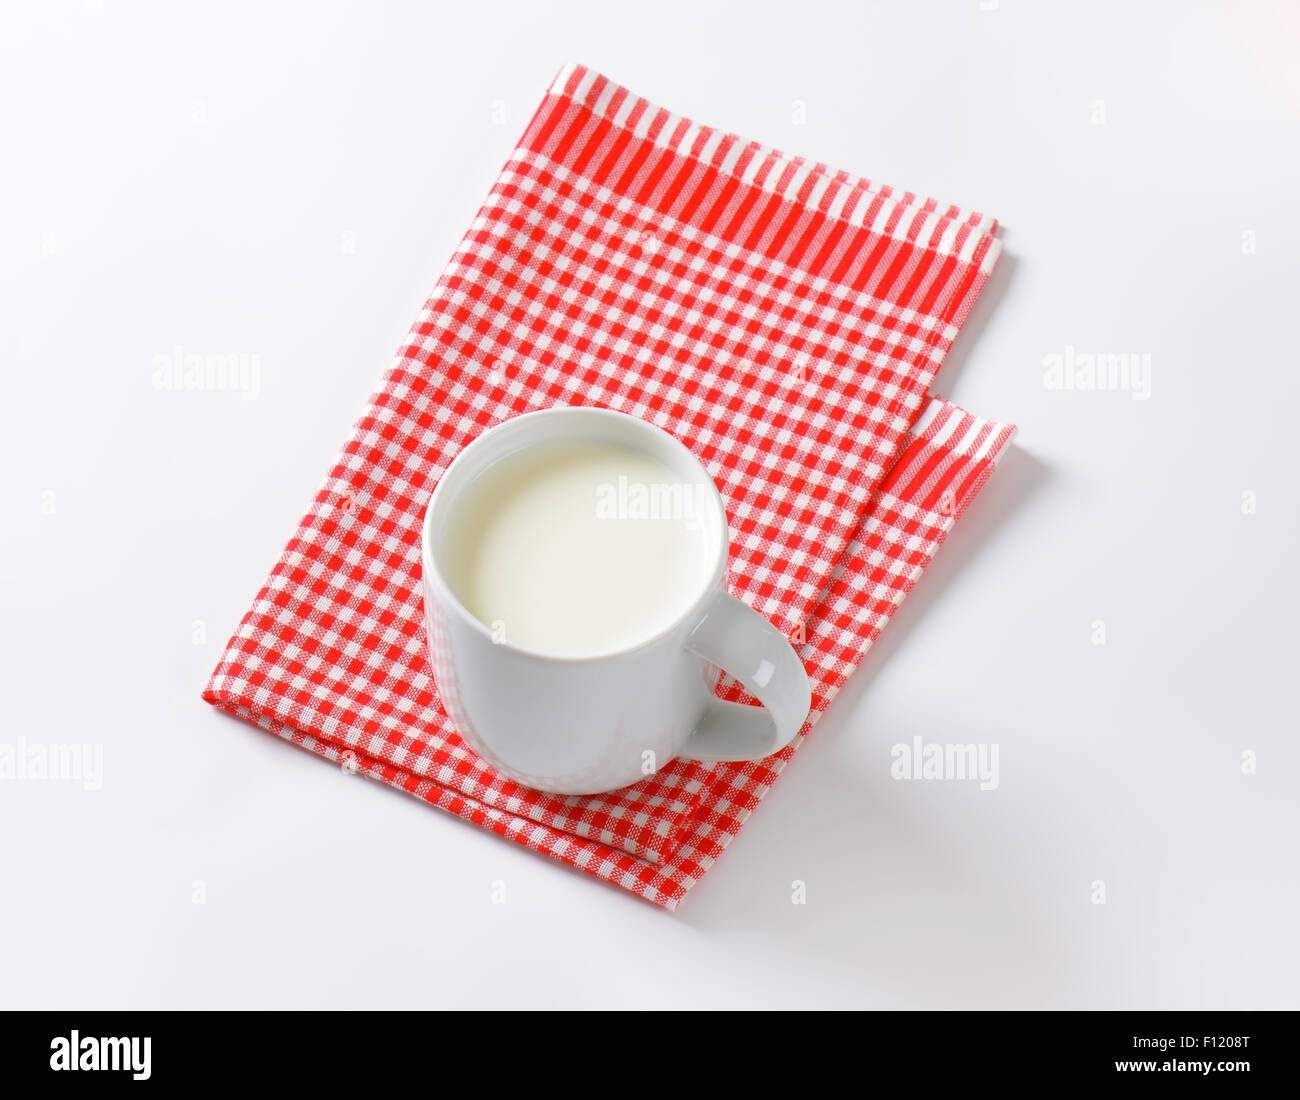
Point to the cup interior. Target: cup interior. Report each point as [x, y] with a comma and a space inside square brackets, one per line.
[571, 425]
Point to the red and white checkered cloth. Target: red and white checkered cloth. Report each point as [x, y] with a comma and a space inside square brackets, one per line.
[782, 319]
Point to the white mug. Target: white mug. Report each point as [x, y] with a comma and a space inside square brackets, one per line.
[581, 725]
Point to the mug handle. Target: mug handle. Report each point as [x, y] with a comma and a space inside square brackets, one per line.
[735, 637]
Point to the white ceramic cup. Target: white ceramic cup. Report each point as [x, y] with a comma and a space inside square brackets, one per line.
[579, 725]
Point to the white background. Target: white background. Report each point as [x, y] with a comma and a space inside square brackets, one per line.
[286, 181]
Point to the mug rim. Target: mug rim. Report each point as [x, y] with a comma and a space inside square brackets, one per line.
[433, 574]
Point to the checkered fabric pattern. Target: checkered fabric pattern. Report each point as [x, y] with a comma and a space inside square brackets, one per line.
[782, 319]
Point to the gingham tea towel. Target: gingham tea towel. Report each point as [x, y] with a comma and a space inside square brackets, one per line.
[783, 320]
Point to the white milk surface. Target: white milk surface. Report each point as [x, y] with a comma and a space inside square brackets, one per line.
[578, 549]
